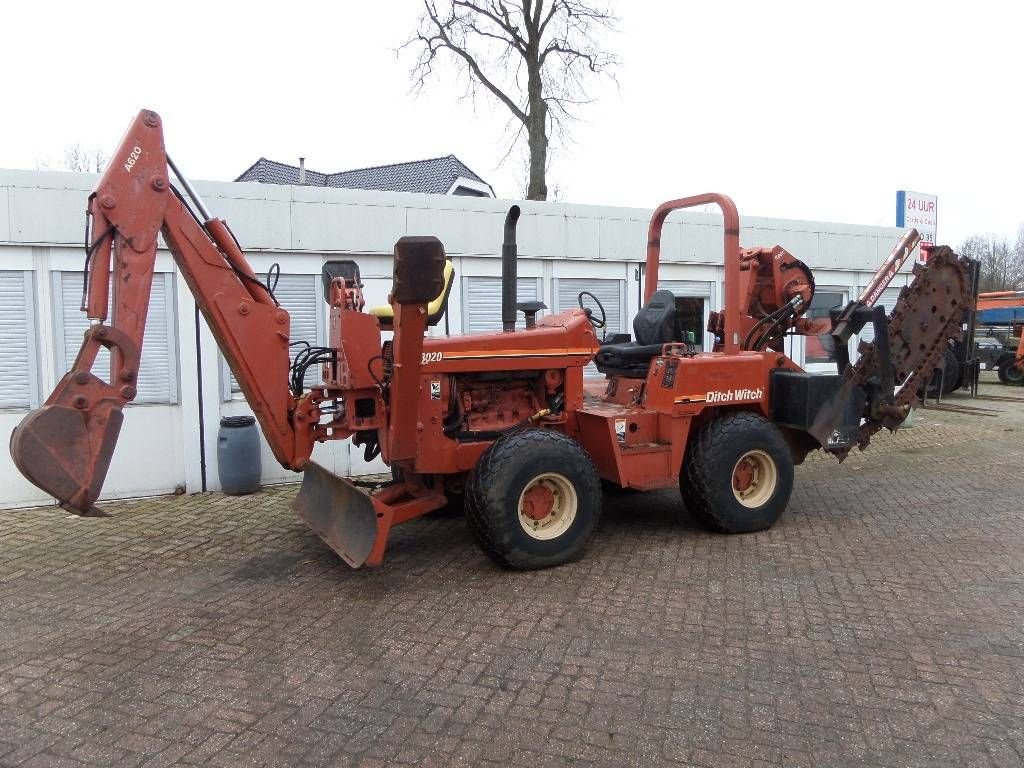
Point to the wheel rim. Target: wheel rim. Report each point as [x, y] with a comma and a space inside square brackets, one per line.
[547, 506]
[754, 478]
[1015, 374]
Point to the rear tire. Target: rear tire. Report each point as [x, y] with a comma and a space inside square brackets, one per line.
[737, 474]
[1010, 373]
[949, 377]
[533, 500]
[951, 372]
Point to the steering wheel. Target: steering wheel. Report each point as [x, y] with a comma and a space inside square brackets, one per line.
[590, 315]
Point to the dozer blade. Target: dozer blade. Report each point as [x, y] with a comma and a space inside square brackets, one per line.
[338, 512]
[66, 452]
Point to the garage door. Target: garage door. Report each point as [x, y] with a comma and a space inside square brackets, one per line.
[608, 292]
[611, 295]
[17, 341]
[158, 374]
[481, 302]
[888, 300]
[301, 296]
[686, 287]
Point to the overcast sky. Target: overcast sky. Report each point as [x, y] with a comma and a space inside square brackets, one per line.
[800, 110]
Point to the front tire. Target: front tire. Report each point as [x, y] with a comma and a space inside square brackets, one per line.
[533, 500]
[738, 473]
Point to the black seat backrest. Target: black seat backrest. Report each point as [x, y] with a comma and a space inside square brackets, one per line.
[655, 322]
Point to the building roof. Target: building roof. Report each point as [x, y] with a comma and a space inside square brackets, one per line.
[436, 175]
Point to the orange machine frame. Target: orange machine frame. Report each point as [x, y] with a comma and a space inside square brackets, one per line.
[396, 396]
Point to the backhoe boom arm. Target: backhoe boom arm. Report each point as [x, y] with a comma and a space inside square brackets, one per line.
[65, 446]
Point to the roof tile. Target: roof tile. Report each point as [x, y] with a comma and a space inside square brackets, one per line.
[435, 175]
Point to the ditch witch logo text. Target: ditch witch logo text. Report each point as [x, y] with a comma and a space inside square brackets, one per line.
[735, 395]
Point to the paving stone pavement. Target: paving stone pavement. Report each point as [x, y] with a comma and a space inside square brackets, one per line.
[880, 623]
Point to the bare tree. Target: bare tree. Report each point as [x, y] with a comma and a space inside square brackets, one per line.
[77, 159]
[1002, 264]
[975, 247]
[1018, 255]
[81, 160]
[535, 57]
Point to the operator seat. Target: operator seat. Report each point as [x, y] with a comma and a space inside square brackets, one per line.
[653, 326]
[385, 314]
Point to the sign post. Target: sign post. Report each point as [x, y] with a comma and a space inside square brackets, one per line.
[918, 210]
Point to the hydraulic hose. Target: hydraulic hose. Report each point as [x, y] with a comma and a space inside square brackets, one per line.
[493, 434]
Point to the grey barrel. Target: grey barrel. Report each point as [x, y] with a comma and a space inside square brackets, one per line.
[238, 455]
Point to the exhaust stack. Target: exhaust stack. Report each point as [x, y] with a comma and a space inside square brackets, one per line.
[509, 271]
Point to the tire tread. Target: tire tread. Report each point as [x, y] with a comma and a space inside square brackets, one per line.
[705, 459]
[484, 504]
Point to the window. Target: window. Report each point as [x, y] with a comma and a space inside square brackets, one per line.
[302, 297]
[692, 297]
[888, 300]
[158, 369]
[18, 369]
[482, 302]
[822, 302]
[690, 318]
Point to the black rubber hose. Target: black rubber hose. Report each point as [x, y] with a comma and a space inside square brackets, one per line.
[484, 434]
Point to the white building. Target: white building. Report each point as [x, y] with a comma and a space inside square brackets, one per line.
[563, 249]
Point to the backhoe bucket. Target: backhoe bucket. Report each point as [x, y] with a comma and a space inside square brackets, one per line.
[338, 512]
[66, 451]
[66, 446]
